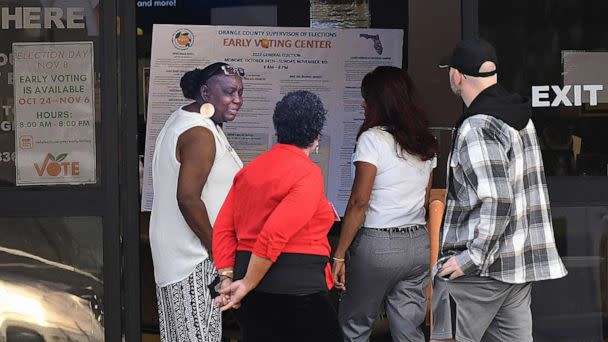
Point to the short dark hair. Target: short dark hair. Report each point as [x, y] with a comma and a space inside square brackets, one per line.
[392, 101]
[192, 80]
[299, 118]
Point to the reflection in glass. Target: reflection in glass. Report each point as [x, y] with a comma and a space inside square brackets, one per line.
[575, 308]
[51, 286]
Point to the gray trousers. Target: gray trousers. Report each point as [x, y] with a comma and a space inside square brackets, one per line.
[473, 309]
[386, 268]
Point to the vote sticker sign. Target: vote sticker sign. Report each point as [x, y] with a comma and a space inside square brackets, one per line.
[54, 113]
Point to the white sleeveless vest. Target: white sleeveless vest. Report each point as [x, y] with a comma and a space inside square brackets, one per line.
[176, 249]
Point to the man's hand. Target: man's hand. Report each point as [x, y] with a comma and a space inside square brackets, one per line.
[339, 274]
[451, 269]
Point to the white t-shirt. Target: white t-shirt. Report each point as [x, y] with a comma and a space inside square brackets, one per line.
[400, 186]
[176, 249]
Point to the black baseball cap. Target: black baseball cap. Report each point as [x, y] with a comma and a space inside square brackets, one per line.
[469, 55]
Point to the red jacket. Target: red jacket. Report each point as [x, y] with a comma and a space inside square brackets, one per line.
[276, 204]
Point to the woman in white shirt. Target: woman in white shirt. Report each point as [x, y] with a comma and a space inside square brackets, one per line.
[384, 227]
[192, 171]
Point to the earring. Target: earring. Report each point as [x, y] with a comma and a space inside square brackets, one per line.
[317, 149]
[207, 110]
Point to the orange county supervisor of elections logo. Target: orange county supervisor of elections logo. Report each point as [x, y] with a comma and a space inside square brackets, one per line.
[183, 39]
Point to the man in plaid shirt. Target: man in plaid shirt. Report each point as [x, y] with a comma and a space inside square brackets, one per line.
[497, 230]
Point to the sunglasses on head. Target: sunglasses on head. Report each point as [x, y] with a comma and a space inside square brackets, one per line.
[229, 70]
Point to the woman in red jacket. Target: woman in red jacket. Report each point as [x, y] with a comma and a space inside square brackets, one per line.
[270, 236]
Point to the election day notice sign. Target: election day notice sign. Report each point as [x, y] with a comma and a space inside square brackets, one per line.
[54, 113]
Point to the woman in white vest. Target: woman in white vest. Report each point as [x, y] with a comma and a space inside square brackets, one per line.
[192, 171]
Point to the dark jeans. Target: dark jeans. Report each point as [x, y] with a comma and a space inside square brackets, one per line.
[268, 317]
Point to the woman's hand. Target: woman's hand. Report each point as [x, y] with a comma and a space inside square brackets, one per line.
[234, 293]
[338, 272]
[365, 174]
[222, 299]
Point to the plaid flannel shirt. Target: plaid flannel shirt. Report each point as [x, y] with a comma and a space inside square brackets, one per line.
[498, 219]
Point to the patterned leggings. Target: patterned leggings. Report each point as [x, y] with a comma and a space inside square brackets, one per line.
[186, 310]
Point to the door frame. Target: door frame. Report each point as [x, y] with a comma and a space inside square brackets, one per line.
[129, 172]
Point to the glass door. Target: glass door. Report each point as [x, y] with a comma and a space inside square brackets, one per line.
[60, 255]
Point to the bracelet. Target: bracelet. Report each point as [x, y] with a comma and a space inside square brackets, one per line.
[338, 259]
[226, 273]
[225, 277]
